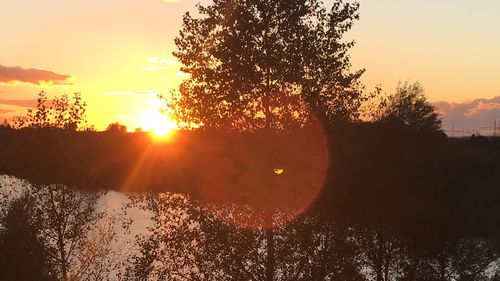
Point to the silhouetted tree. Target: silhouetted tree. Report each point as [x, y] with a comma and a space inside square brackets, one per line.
[66, 215]
[74, 232]
[266, 64]
[69, 115]
[23, 253]
[382, 250]
[57, 113]
[116, 128]
[188, 241]
[410, 107]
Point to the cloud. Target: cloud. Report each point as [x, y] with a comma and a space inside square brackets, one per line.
[478, 114]
[2, 111]
[153, 68]
[141, 93]
[10, 74]
[164, 61]
[182, 74]
[19, 103]
[160, 64]
[481, 108]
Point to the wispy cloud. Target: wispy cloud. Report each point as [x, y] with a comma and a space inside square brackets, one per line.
[153, 68]
[11, 74]
[141, 93]
[160, 64]
[19, 103]
[164, 61]
[2, 111]
[476, 114]
[482, 108]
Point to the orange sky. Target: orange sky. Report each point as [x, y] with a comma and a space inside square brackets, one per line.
[117, 53]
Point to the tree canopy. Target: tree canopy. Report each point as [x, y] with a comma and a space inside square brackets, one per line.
[410, 107]
[60, 112]
[266, 64]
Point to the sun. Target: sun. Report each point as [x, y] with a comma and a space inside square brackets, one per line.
[158, 125]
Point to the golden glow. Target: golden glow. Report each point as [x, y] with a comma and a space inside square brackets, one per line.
[158, 125]
[118, 58]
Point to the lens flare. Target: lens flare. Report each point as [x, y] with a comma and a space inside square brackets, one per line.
[264, 180]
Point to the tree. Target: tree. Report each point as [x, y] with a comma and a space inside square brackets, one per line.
[58, 113]
[116, 128]
[188, 242]
[23, 254]
[266, 64]
[76, 233]
[410, 107]
[262, 64]
[56, 232]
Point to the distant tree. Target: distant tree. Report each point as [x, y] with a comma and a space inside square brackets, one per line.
[116, 128]
[23, 253]
[5, 125]
[69, 115]
[266, 64]
[410, 107]
[58, 113]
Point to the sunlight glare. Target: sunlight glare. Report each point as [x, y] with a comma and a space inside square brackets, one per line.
[158, 125]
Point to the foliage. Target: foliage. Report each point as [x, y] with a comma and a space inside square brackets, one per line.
[57, 113]
[187, 241]
[396, 200]
[389, 255]
[266, 64]
[76, 234]
[116, 128]
[204, 247]
[410, 107]
[23, 253]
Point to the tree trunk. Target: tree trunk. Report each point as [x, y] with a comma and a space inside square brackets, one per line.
[270, 263]
[268, 223]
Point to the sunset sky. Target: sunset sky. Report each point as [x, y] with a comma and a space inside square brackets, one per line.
[117, 53]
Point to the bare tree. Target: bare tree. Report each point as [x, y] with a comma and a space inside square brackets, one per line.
[79, 236]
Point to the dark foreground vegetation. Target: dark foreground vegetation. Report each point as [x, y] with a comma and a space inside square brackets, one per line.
[396, 203]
